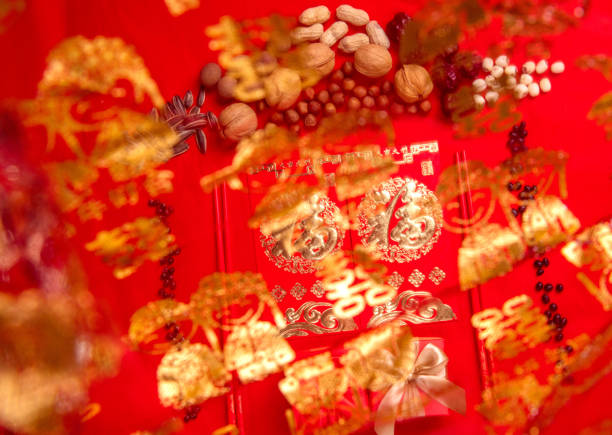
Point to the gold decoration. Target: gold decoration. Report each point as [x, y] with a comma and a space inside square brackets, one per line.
[395, 280]
[127, 247]
[79, 64]
[601, 113]
[319, 319]
[298, 291]
[488, 252]
[416, 278]
[179, 7]
[593, 247]
[516, 327]
[279, 293]
[412, 307]
[153, 316]
[600, 62]
[415, 374]
[317, 289]
[8, 9]
[158, 182]
[190, 375]
[341, 282]
[415, 226]
[436, 275]
[313, 234]
[256, 350]
[547, 222]
[313, 384]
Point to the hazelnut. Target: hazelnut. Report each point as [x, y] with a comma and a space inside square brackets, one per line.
[334, 87]
[337, 76]
[226, 86]
[291, 116]
[314, 107]
[425, 106]
[347, 68]
[277, 118]
[295, 128]
[338, 98]
[310, 121]
[302, 108]
[413, 83]
[382, 101]
[323, 96]
[368, 102]
[210, 74]
[386, 87]
[237, 121]
[283, 88]
[330, 109]
[360, 92]
[373, 60]
[374, 91]
[348, 84]
[309, 93]
[353, 103]
[318, 57]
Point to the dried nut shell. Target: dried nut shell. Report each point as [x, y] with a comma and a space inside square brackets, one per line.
[318, 57]
[226, 86]
[413, 83]
[350, 44]
[317, 14]
[311, 33]
[237, 121]
[377, 34]
[372, 60]
[357, 17]
[283, 88]
[334, 33]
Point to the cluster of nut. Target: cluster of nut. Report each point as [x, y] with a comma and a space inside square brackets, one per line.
[503, 76]
[342, 92]
[372, 57]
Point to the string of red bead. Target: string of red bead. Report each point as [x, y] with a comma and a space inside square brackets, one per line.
[167, 291]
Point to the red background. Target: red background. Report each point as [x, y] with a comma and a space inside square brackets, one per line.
[174, 49]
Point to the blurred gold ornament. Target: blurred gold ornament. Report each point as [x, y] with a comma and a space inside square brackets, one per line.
[152, 317]
[593, 248]
[547, 222]
[313, 384]
[79, 65]
[179, 7]
[488, 252]
[516, 327]
[190, 375]
[127, 247]
[256, 350]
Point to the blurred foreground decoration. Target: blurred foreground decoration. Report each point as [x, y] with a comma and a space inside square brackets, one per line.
[593, 248]
[601, 111]
[50, 350]
[490, 250]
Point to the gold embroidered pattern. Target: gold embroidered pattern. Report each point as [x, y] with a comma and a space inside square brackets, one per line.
[548, 222]
[416, 278]
[298, 291]
[415, 226]
[516, 327]
[436, 275]
[300, 245]
[412, 307]
[318, 318]
[279, 293]
[395, 280]
[317, 289]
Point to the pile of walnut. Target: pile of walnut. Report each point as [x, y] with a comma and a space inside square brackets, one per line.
[286, 86]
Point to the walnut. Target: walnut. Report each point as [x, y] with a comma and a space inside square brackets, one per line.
[413, 83]
[283, 88]
[237, 121]
[372, 60]
[319, 57]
